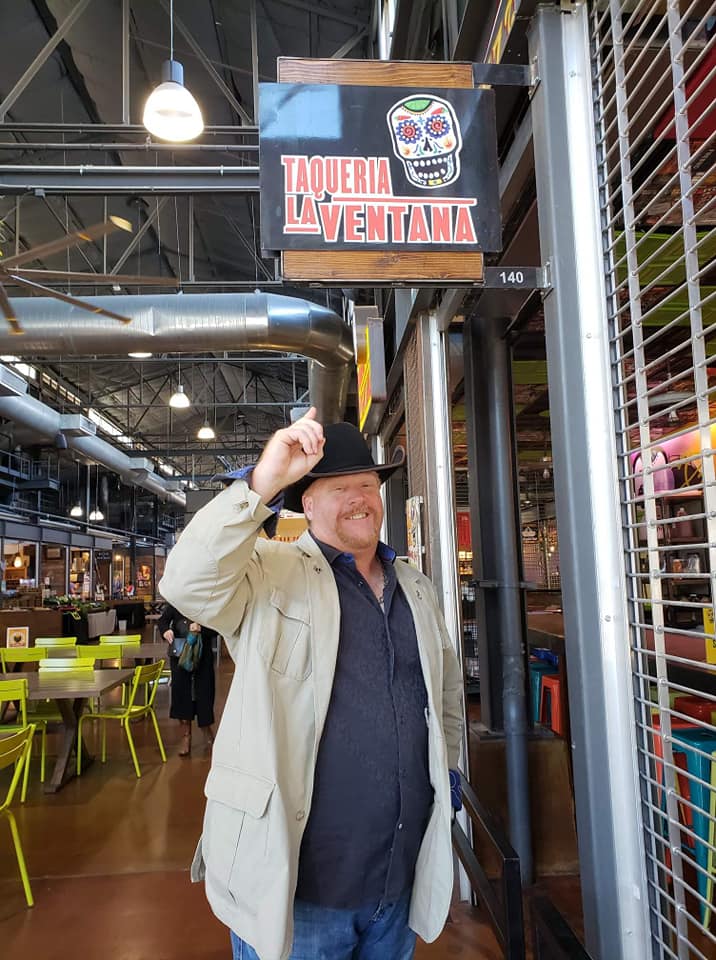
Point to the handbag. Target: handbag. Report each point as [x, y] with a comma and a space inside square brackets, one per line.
[181, 626]
[177, 646]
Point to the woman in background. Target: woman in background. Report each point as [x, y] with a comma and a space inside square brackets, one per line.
[192, 691]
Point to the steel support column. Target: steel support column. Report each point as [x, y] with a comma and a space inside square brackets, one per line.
[614, 887]
[439, 491]
[488, 398]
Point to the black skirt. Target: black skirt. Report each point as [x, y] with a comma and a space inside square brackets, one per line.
[193, 693]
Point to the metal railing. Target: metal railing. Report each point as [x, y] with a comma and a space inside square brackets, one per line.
[501, 900]
[553, 938]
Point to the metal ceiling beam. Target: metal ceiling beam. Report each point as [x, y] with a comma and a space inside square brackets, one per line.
[198, 451]
[117, 128]
[111, 408]
[137, 238]
[125, 60]
[119, 146]
[42, 56]
[88, 179]
[207, 64]
[254, 59]
[349, 44]
[326, 12]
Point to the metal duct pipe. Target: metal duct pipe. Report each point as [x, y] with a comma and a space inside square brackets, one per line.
[22, 409]
[196, 322]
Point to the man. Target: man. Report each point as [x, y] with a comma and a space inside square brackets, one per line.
[327, 827]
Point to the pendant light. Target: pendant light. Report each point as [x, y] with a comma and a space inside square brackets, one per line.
[171, 112]
[96, 514]
[207, 431]
[17, 561]
[179, 400]
[77, 510]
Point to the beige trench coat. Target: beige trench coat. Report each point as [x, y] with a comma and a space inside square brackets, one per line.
[276, 606]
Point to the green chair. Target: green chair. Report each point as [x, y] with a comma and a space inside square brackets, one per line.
[147, 675]
[126, 639]
[46, 711]
[15, 691]
[66, 665]
[16, 749]
[55, 641]
[100, 651]
[12, 655]
[39, 714]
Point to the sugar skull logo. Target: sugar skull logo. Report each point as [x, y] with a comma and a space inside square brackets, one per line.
[426, 137]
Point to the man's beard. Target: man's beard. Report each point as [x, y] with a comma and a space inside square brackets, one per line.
[358, 540]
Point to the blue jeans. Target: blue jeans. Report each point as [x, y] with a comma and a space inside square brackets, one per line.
[374, 932]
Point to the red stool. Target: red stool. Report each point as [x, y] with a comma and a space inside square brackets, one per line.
[552, 686]
[697, 707]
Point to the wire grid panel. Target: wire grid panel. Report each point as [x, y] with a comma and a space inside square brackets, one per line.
[654, 81]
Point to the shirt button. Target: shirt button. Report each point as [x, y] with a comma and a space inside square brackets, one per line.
[300, 815]
[400, 826]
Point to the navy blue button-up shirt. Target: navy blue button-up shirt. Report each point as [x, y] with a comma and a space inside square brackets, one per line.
[372, 793]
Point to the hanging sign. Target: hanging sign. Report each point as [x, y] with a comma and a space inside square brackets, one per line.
[369, 351]
[378, 169]
[501, 30]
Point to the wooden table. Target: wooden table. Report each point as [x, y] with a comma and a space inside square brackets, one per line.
[71, 693]
[546, 629]
[146, 651]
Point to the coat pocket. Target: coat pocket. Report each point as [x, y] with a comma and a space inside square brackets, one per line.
[198, 870]
[285, 640]
[235, 839]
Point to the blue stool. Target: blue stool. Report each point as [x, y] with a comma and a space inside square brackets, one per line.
[699, 795]
[537, 671]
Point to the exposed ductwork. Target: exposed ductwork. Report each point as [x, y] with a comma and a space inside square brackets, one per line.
[196, 323]
[177, 324]
[79, 434]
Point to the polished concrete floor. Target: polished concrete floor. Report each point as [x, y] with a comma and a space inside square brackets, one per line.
[108, 859]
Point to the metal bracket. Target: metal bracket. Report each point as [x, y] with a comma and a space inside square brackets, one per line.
[502, 74]
[516, 278]
[496, 585]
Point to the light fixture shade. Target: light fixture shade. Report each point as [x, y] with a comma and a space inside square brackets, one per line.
[179, 399]
[18, 561]
[171, 112]
[96, 514]
[206, 432]
[139, 355]
[77, 510]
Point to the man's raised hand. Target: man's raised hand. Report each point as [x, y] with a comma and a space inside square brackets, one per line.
[290, 454]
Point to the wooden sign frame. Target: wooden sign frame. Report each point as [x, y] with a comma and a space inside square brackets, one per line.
[376, 267]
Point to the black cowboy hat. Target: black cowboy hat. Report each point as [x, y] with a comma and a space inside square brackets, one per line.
[345, 452]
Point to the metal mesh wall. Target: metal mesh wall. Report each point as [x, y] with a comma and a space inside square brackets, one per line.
[654, 75]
